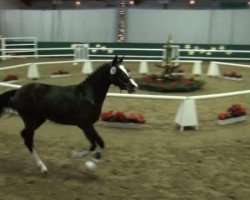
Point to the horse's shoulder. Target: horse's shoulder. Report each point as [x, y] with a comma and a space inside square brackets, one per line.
[86, 92]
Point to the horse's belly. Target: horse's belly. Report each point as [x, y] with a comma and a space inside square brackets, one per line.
[73, 118]
[63, 120]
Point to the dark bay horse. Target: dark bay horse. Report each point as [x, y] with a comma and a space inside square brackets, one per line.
[78, 105]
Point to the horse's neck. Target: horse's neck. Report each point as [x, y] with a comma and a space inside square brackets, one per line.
[100, 85]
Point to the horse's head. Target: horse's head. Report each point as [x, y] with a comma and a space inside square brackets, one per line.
[120, 77]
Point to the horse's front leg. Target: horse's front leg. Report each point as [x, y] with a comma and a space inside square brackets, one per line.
[97, 144]
[81, 154]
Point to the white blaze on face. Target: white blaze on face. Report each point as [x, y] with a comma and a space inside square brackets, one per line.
[125, 71]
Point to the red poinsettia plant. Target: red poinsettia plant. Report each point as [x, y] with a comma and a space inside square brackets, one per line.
[118, 116]
[60, 72]
[232, 74]
[10, 77]
[236, 110]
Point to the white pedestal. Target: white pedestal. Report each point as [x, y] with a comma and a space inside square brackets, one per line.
[197, 68]
[213, 69]
[143, 69]
[33, 72]
[87, 67]
[186, 115]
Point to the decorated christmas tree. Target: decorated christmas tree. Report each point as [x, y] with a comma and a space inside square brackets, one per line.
[169, 67]
[170, 79]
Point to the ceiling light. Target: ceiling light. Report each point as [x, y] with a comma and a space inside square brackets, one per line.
[191, 2]
[77, 3]
[131, 2]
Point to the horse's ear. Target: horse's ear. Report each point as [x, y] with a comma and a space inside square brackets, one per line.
[114, 62]
[121, 59]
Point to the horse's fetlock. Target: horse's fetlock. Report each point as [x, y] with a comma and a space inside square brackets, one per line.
[98, 155]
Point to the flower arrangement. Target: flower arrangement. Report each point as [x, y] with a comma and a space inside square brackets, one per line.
[233, 114]
[10, 77]
[171, 78]
[177, 83]
[121, 117]
[60, 73]
[232, 76]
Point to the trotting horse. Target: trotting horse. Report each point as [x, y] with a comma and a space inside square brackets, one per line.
[78, 105]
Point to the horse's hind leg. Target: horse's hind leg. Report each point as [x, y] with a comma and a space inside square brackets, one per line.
[28, 135]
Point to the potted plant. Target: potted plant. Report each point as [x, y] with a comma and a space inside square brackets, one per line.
[235, 113]
[171, 78]
[10, 78]
[232, 76]
[121, 120]
[60, 73]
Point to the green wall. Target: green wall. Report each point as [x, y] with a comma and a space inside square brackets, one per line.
[213, 56]
[218, 55]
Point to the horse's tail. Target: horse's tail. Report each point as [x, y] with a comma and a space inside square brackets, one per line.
[6, 101]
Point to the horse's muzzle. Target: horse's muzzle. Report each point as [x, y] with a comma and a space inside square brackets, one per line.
[130, 88]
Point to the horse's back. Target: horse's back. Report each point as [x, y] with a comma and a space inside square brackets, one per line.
[61, 104]
[27, 98]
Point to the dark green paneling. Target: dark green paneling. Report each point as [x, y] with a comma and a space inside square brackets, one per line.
[182, 46]
[148, 53]
[227, 4]
[54, 45]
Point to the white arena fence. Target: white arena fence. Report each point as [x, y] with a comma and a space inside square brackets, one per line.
[186, 114]
[11, 47]
[87, 66]
[80, 53]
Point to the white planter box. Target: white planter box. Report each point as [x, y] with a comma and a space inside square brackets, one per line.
[122, 125]
[232, 78]
[11, 81]
[232, 120]
[59, 75]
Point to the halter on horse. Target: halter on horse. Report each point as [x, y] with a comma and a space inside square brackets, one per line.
[78, 105]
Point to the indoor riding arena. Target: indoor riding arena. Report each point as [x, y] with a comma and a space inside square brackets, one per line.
[182, 135]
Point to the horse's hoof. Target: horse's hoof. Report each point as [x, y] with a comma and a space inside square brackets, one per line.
[90, 165]
[44, 171]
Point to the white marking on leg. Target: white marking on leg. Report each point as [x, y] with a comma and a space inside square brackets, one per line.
[91, 165]
[79, 154]
[39, 162]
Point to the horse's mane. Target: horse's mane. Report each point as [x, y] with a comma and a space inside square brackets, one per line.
[94, 72]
